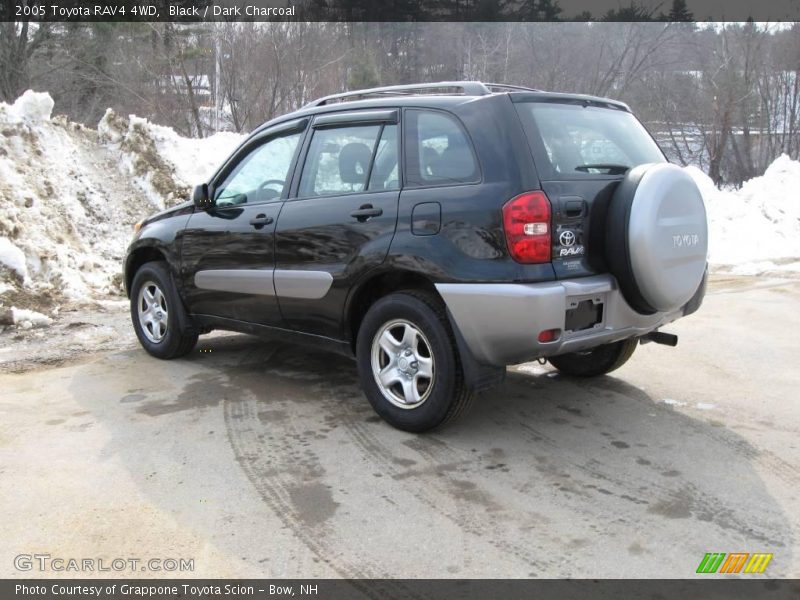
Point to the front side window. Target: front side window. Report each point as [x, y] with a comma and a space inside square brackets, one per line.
[578, 140]
[439, 152]
[339, 160]
[261, 175]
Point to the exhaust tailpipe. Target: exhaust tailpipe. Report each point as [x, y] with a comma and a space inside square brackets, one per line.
[658, 337]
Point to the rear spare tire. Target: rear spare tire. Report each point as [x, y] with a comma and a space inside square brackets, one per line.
[657, 237]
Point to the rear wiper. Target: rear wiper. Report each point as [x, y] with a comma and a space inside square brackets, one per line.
[612, 169]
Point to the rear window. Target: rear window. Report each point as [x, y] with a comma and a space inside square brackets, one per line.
[578, 141]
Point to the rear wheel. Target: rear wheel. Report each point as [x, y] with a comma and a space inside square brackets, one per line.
[597, 361]
[408, 363]
[158, 316]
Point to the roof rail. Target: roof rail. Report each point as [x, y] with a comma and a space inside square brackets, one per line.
[468, 88]
[506, 87]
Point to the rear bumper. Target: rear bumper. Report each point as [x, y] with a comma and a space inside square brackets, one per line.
[501, 322]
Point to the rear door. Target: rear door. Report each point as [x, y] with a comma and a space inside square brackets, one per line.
[582, 150]
[341, 218]
[228, 250]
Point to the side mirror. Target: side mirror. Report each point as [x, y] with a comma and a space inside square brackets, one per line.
[200, 197]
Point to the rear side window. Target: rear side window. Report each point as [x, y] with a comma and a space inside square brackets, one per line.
[438, 150]
[579, 141]
[338, 160]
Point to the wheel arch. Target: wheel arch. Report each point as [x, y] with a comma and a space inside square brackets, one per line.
[374, 287]
[477, 376]
[138, 257]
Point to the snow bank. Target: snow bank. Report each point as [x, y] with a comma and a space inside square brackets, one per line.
[193, 160]
[31, 106]
[139, 159]
[757, 228]
[164, 165]
[69, 196]
[66, 215]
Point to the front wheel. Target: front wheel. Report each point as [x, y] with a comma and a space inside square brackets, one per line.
[408, 363]
[158, 316]
[597, 361]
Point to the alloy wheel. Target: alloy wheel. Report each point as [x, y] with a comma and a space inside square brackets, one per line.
[402, 363]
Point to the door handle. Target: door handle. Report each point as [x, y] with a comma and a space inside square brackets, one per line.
[365, 211]
[260, 221]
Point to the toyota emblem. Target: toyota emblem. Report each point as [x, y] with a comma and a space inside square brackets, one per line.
[567, 238]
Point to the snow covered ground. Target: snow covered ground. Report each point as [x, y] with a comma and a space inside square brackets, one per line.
[69, 196]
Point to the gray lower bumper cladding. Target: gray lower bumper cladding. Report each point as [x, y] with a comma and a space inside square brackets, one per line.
[501, 322]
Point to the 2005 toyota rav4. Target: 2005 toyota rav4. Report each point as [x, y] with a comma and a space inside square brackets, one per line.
[437, 232]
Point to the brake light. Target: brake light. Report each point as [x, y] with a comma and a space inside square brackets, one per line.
[526, 221]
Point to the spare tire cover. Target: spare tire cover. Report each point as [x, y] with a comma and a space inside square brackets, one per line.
[657, 237]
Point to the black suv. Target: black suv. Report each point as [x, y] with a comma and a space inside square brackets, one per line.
[436, 232]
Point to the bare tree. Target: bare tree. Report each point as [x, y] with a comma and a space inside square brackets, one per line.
[19, 41]
[725, 98]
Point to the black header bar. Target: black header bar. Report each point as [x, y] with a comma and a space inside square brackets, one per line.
[199, 11]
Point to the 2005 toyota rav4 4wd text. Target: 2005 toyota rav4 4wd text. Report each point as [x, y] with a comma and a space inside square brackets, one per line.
[437, 232]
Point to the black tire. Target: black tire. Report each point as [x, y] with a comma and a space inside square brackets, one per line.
[447, 396]
[597, 361]
[618, 254]
[179, 337]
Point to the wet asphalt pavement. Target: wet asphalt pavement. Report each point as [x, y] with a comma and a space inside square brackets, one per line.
[264, 460]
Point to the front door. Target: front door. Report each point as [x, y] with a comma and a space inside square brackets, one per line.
[227, 255]
[342, 219]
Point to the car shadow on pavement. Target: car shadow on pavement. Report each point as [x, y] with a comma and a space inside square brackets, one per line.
[558, 476]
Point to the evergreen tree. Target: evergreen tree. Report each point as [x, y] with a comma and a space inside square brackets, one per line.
[539, 10]
[680, 12]
[633, 12]
[363, 74]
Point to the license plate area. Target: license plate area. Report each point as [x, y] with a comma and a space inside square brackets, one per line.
[583, 313]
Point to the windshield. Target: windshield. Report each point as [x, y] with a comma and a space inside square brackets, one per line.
[580, 141]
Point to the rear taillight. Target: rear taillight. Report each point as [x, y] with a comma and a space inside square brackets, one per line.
[526, 220]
